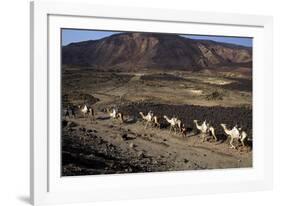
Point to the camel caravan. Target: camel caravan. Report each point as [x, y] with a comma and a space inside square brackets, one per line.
[205, 129]
[175, 124]
[85, 110]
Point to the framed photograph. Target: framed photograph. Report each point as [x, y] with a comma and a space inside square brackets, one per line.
[127, 105]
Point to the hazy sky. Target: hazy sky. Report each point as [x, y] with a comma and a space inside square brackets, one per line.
[75, 35]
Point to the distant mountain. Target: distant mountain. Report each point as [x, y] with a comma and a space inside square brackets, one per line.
[133, 51]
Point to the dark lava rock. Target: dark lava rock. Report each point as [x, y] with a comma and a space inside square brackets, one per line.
[64, 123]
[140, 154]
[93, 136]
[124, 137]
[71, 124]
[215, 115]
[82, 129]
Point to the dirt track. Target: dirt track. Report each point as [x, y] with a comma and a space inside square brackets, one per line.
[107, 146]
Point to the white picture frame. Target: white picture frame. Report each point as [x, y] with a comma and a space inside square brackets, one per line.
[47, 18]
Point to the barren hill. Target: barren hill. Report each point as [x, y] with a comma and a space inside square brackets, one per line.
[133, 51]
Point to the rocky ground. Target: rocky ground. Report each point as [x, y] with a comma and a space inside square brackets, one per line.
[107, 146]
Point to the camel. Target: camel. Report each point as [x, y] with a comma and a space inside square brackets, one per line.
[112, 114]
[87, 110]
[212, 131]
[84, 110]
[148, 118]
[234, 134]
[178, 124]
[243, 136]
[144, 117]
[115, 115]
[156, 122]
[203, 129]
[120, 116]
[91, 113]
[183, 130]
[69, 112]
[173, 123]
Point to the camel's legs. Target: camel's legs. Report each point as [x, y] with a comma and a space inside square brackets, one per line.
[170, 129]
[146, 125]
[157, 125]
[242, 141]
[203, 135]
[213, 134]
[232, 146]
[216, 139]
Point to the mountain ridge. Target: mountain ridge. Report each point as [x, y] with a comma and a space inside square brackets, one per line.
[136, 50]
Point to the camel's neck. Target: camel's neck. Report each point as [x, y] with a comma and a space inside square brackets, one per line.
[227, 131]
[155, 119]
[142, 115]
[168, 120]
[198, 127]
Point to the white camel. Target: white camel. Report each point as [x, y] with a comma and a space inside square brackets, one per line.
[148, 118]
[173, 123]
[120, 116]
[202, 128]
[243, 136]
[212, 131]
[115, 115]
[112, 114]
[179, 124]
[155, 121]
[84, 110]
[183, 130]
[234, 134]
[87, 111]
[91, 113]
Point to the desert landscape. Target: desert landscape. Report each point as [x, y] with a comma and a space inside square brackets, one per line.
[107, 83]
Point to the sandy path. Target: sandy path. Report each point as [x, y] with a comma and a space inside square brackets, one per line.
[166, 151]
